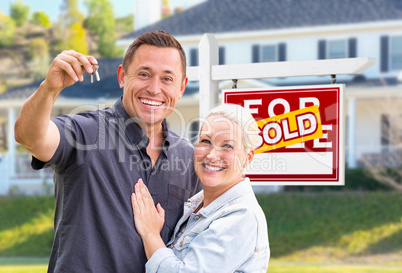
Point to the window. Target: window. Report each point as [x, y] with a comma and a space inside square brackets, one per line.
[337, 49]
[269, 53]
[396, 53]
[391, 53]
[395, 128]
[391, 129]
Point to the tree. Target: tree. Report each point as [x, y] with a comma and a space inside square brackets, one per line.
[38, 47]
[20, 13]
[166, 11]
[40, 18]
[72, 20]
[101, 22]
[125, 24]
[70, 13]
[76, 40]
[3, 85]
[7, 30]
[38, 50]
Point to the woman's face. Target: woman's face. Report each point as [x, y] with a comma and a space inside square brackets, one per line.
[219, 157]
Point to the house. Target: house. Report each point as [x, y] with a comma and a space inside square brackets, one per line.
[16, 174]
[264, 31]
[293, 30]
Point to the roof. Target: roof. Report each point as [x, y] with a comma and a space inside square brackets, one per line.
[359, 81]
[221, 16]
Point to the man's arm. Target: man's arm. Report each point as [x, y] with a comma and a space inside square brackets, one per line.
[33, 128]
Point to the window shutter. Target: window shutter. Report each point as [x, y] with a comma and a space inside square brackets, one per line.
[352, 48]
[194, 57]
[221, 55]
[256, 53]
[384, 54]
[194, 128]
[322, 49]
[385, 130]
[282, 52]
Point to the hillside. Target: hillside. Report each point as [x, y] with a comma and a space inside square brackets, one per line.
[363, 228]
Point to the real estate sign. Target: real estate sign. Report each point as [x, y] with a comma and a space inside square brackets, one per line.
[301, 139]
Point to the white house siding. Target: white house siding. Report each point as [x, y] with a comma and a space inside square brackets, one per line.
[302, 44]
[368, 126]
[181, 119]
[371, 104]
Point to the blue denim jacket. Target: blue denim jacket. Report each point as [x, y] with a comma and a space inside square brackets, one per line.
[229, 235]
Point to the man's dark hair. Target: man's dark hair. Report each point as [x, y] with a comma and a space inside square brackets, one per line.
[158, 38]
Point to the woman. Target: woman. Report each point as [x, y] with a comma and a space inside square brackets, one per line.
[223, 229]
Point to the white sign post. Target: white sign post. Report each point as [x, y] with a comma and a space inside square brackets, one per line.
[209, 73]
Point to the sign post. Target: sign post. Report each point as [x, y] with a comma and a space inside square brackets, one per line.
[302, 128]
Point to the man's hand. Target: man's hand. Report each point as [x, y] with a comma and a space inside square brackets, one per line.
[66, 69]
[33, 128]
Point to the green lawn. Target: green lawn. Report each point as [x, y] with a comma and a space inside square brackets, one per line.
[335, 227]
[39, 265]
[319, 268]
[314, 228]
[23, 265]
[23, 269]
[27, 230]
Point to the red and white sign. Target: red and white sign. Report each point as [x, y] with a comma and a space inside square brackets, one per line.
[302, 134]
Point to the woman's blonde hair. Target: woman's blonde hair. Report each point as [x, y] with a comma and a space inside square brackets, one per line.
[243, 117]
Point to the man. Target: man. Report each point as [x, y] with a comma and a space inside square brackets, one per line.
[98, 156]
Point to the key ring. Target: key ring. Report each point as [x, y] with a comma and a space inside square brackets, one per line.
[95, 68]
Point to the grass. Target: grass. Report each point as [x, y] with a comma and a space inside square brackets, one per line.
[23, 269]
[23, 265]
[28, 228]
[322, 268]
[309, 232]
[39, 265]
[335, 227]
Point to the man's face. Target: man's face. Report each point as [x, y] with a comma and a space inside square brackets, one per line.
[153, 84]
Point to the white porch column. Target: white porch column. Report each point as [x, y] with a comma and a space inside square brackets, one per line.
[11, 158]
[352, 133]
[209, 89]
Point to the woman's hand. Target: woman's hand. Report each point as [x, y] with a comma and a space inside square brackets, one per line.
[148, 219]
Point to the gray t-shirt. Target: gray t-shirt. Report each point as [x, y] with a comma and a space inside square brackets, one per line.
[100, 157]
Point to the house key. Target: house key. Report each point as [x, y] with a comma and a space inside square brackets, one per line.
[96, 68]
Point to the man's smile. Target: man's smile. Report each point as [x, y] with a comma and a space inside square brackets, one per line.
[151, 102]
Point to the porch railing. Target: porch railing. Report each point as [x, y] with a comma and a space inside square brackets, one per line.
[22, 168]
[389, 158]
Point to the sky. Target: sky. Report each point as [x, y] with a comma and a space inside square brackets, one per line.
[52, 7]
